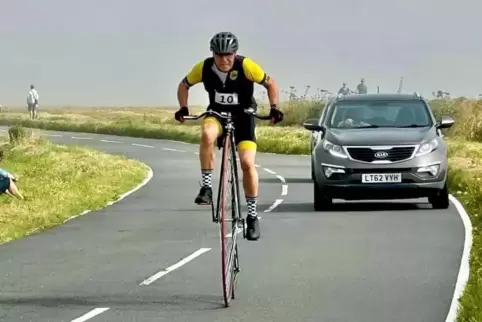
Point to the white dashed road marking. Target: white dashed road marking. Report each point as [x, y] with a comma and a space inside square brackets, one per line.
[108, 141]
[182, 262]
[90, 314]
[175, 150]
[284, 190]
[52, 135]
[269, 171]
[81, 138]
[142, 145]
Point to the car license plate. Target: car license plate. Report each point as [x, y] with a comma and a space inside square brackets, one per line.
[381, 177]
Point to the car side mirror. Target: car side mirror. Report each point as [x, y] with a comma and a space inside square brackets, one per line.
[312, 125]
[445, 122]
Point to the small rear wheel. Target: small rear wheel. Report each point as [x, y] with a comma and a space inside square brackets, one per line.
[321, 201]
[440, 199]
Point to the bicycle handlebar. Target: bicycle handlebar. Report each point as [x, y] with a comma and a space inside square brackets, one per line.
[249, 111]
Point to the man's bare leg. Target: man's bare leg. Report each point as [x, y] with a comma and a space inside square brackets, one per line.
[247, 156]
[209, 134]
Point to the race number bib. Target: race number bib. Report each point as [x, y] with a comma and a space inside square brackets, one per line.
[226, 99]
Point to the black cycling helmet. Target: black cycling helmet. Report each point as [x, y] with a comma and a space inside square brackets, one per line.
[224, 43]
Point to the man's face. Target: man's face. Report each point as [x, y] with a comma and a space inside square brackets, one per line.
[224, 62]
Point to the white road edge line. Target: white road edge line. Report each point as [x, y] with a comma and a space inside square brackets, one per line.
[464, 270]
[171, 268]
[142, 145]
[90, 314]
[81, 138]
[150, 174]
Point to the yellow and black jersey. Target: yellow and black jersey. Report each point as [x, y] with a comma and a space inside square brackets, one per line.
[231, 89]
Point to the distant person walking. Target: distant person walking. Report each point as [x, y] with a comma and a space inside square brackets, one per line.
[32, 102]
[362, 87]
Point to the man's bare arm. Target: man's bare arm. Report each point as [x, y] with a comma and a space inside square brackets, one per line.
[273, 91]
[182, 94]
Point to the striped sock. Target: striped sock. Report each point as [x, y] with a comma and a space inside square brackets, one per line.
[207, 176]
[251, 201]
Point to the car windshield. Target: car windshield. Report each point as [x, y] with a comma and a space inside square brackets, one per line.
[373, 114]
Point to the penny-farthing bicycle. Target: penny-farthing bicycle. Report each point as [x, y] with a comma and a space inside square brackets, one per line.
[228, 199]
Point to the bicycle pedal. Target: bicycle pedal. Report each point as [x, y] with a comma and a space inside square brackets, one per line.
[243, 223]
[240, 223]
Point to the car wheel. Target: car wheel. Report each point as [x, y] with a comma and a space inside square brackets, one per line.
[440, 199]
[321, 202]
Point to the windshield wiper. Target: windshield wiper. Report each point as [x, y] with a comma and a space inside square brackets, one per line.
[373, 126]
[412, 125]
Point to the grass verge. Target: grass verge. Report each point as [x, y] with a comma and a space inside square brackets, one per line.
[59, 182]
[465, 180]
[465, 183]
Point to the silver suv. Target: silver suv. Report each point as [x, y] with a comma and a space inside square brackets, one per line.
[378, 146]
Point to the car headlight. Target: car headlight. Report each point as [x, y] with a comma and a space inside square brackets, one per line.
[334, 149]
[427, 147]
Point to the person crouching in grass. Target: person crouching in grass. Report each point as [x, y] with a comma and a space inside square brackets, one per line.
[7, 184]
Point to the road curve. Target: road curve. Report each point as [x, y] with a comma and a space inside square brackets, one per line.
[364, 262]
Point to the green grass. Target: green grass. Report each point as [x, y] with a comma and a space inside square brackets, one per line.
[465, 183]
[290, 138]
[59, 182]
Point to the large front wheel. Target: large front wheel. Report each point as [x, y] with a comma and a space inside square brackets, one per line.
[227, 226]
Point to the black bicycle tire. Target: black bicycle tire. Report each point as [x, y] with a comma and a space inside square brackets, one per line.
[222, 222]
[236, 219]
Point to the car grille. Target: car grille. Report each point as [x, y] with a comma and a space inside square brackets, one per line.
[368, 155]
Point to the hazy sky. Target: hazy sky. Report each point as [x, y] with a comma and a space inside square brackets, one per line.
[126, 52]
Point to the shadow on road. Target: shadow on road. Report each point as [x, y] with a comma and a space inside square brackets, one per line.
[192, 302]
[288, 181]
[346, 207]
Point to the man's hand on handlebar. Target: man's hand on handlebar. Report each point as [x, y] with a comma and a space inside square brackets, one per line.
[179, 115]
[276, 115]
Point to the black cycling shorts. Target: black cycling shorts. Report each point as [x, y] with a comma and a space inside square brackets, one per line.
[244, 130]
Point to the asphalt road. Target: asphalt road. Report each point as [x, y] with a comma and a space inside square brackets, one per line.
[364, 262]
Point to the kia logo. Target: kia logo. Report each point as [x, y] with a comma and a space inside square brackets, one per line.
[381, 155]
